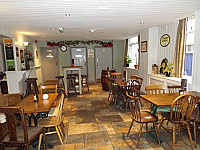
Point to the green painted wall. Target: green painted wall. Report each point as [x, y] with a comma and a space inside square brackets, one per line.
[65, 60]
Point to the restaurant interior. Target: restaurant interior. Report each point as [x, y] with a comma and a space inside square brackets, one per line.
[100, 75]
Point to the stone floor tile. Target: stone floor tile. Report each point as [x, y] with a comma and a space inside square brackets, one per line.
[126, 118]
[105, 127]
[79, 145]
[96, 139]
[85, 119]
[75, 138]
[82, 128]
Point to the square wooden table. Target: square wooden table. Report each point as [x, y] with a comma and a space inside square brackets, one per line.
[38, 109]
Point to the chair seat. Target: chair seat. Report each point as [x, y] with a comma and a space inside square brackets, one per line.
[164, 109]
[49, 122]
[147, 117]
[32, 133]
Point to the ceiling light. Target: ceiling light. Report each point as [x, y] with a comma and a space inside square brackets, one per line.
[53, 29]
[25, 43]
[67, 15]
[92, 30]
[61, 30]
[101, 32]
[141, 22]
[88, 37]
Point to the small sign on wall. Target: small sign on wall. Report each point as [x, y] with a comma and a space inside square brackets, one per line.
[90, 52]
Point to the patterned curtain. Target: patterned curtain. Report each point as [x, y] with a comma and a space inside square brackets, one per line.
[125, 52]
[179, 49]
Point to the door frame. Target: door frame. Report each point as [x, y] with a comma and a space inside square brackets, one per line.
[95, 58]
[86, 56]
[42, 66]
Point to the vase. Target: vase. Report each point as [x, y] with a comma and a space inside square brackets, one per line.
[136, 67]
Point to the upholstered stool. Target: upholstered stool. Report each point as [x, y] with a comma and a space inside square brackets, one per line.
[31, 86]
[62, 85]
[84, 81]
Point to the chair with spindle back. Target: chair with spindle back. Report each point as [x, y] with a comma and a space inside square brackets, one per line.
[48, 89]
[140, 79]
[141, 117]
[181, 111]
[173, 88]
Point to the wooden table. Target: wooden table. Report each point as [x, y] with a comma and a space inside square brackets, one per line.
[70, 68]
[38, 109]
[120, 82]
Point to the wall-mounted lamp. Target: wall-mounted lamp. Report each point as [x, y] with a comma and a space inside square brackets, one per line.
[25, 43]
[50, 56]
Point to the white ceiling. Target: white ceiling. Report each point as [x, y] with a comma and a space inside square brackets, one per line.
[117, 19]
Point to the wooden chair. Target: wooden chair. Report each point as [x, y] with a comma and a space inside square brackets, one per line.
[133, 87]
[155, 89]
[181, 111]
[19, 136]
[139, 79]
[110, 95]
[54, 121]
[115, 75]
[48, 89]
[141, 117]
[173, 88]
[72, 82]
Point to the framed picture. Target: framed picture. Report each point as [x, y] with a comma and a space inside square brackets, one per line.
[144, 46]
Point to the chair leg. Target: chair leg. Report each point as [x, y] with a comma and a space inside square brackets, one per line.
[44, 142]
[190, 136]
[195, 135]
[58, 133]
[174, 134]
[60, 130]
[159, 128]
[130, 127]
[139, 134]
[40, 140]
[157, 132]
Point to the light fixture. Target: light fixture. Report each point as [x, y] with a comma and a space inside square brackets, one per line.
[61, 30]
[53, 29]
[67, 15]
[92, 30]
[25, 43]
[88, 37]
[50, 56]
[141, 22]
[101, 33]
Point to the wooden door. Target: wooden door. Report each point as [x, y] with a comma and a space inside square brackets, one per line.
[103, 60]
[50, 66]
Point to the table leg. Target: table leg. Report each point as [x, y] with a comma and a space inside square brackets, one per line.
[35, 117]
[79, 78]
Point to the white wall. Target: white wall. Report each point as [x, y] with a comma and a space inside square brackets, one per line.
[168, 51]
[2, 63]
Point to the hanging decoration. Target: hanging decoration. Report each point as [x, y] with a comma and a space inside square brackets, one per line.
[74, 43]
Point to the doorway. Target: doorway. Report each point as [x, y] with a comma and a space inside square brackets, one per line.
[79, 54]
[103, 60]
[50, 66]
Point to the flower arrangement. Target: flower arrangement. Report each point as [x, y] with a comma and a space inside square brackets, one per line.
[28, 56]
[127, 59]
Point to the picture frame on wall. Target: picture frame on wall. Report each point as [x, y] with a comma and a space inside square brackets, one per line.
[144, 46]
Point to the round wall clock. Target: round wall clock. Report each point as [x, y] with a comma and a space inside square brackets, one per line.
[63, 48]
[165, 40]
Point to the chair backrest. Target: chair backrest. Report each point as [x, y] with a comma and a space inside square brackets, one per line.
[155, 89]
[182, 108]
[174, 88]
[134, 105]
[133, 87]
[11, 113]
[60, 107]
[48, 88]
[115, 75]
[140, 79]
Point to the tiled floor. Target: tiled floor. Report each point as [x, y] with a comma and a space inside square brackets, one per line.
[92, 125]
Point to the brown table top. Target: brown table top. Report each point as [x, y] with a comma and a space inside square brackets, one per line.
[30, 106]
[120, 82]
[161, 99]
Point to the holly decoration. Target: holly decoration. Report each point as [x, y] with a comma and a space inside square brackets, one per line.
[74, 43]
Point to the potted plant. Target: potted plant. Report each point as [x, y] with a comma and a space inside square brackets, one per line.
[127, 60]
[136, 63]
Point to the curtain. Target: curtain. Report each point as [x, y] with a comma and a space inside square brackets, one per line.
[125, 52]
[179, 49]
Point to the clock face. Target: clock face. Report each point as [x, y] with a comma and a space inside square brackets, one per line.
[63, 48]
[165, 40]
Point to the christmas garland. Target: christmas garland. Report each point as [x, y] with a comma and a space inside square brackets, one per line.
[74, 43]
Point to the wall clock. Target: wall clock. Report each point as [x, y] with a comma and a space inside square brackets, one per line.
[63, 48]
[165, 40]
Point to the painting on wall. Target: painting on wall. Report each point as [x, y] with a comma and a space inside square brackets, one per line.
[144, 46]
[10, 65]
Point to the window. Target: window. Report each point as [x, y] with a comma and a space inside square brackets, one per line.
[189, 46]
[133, 51]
